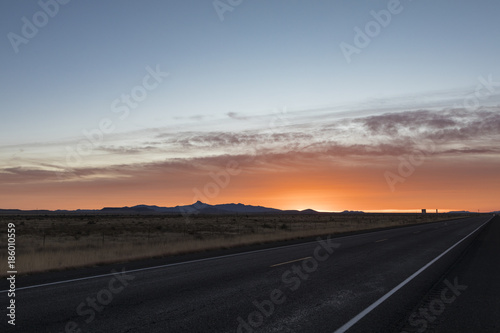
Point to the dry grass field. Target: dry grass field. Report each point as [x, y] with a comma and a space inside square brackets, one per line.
[54, 242]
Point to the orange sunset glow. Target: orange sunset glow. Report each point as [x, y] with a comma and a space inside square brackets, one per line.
[324, 176]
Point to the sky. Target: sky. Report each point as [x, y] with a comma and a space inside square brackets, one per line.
[331, 105]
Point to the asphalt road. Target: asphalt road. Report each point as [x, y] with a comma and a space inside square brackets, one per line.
[371, 282]
[475, 307]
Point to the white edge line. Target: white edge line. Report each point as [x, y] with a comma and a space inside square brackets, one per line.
[193, 261]
[363, 313]
[289, 262]
[166, 265]
[155, 267]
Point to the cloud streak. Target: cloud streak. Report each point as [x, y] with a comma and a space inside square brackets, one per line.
[347, 155]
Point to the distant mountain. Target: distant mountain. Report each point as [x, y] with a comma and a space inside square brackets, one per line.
[308, 211]
[19, 211]
[196, 208]
[134, 209]
[203, 208]
[352, 212]
[241, 208]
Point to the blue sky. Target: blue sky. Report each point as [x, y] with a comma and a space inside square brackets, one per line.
[263, 58]
[264, 55]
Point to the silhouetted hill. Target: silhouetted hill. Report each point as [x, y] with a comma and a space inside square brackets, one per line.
[308, 211]
[203, 208]
[200, 208]
[196, 208]
[241, 208]
[19, 211]
[352, 212]
[134, 209]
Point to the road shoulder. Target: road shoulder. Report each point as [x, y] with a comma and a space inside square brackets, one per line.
[467, 298]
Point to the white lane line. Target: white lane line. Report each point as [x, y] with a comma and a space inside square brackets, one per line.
[156, 267]
[289, 262]
[173, 264]
[199, 260]
[363, 313]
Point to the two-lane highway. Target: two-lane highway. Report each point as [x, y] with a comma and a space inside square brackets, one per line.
[329, 285]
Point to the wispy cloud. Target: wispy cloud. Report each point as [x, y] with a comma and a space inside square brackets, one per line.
[444, 125]
[370, 140]
[237, 116]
